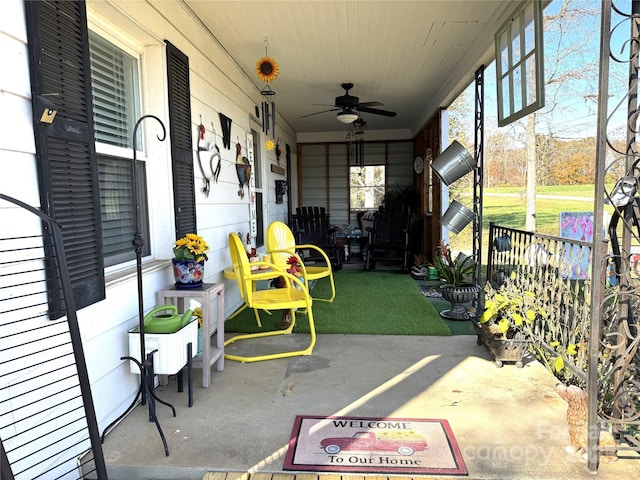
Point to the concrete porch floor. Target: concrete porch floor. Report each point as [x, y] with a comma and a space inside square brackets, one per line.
[508, 422]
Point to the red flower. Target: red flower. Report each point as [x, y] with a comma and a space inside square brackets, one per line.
[294, 268]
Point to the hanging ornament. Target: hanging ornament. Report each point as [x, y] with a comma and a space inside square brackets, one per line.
[278, 151]
[269, 145]
[243, 170]
[266, 91]
[267, 68]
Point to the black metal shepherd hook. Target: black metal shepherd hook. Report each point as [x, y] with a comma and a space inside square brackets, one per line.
[145, 365]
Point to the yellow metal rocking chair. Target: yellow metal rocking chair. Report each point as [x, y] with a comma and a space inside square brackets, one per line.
[294, 295]
[281, 244]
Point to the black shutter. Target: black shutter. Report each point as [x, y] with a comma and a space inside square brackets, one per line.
[181, 144]
[65, 149]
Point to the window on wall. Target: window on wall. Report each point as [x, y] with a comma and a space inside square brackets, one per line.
[520, 64]
[117, 206]
[116, 108]
[115, 89]
[366, 187]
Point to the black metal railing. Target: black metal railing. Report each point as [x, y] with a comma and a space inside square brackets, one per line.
[560, 273]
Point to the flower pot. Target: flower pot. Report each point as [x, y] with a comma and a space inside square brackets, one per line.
[458, 297]
[433, 274]
[456, 217]
[188, 273]
[453, 163]
[170, 349]
[502, 349]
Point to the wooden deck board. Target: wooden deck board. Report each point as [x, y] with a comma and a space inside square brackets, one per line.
[215, 476]
[331, 476]
[262, 476]
[284, 476]
[306, 476]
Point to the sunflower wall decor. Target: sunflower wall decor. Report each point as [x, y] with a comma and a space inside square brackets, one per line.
[267, 69]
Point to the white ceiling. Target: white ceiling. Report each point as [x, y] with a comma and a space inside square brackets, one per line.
[412, 56]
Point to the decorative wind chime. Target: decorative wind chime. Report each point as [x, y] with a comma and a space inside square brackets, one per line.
[267, 70]
[355, 138]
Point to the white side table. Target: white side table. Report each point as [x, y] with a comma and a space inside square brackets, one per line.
[205, 295]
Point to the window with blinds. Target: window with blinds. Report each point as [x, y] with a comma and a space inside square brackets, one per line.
[114, 85]
[116, 108]
[117, 206]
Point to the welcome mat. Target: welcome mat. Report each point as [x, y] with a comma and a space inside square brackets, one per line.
[373, 445]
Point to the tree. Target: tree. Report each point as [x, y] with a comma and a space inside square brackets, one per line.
[503, 161]
[566, 162]
[459, 111]
[575, 170]
[571, 71]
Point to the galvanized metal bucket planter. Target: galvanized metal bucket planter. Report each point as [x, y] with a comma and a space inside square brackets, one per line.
[502, 349]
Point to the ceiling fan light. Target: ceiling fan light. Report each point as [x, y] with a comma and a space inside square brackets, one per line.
[347, 116]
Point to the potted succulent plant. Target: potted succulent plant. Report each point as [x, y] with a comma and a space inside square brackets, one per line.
[503, 325]
[459, 287]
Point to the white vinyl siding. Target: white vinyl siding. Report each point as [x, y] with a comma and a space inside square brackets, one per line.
[326, 172]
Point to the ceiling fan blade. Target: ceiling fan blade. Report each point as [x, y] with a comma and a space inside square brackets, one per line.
[318, 113]
[370, 104]
[348, 103]
[375, 111]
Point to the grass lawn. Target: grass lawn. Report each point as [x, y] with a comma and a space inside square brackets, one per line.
[506, 206]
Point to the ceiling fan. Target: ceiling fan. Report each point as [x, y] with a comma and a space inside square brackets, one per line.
[349, 105]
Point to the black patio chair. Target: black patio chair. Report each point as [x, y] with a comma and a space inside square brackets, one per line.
[389, 238]
[310, 225]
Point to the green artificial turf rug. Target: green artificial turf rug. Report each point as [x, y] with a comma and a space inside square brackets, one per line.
[367, 302]
[401, 446]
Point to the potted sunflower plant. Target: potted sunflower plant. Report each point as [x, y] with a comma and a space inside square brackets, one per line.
[190, 253]
[459, 287]
[503, 326]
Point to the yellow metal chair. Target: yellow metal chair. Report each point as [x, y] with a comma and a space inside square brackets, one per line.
[281, 244]
[294, 295]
